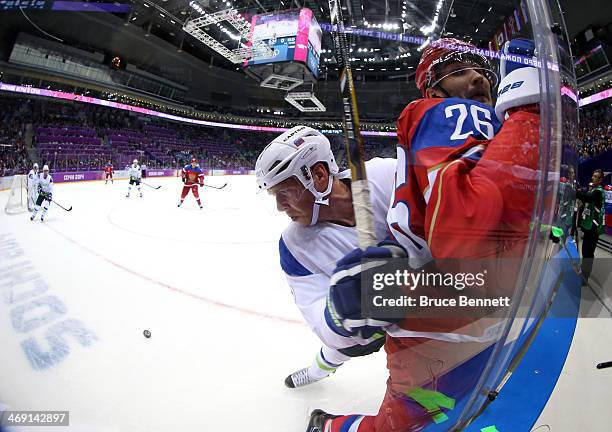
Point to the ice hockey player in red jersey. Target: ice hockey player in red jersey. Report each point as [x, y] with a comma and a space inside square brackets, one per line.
[108, 171]
[465, 188]
[193, 177]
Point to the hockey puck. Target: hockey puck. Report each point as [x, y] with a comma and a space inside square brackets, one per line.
[147, 334]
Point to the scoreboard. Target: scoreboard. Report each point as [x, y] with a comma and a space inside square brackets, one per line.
[295, 36]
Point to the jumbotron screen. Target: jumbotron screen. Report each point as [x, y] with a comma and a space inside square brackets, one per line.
[294, 35]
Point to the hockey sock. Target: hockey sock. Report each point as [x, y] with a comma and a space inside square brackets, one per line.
[351, 423]
[44, 212]
[333, 356]
[321, 367]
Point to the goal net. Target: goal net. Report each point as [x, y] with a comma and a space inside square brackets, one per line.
[18, 196]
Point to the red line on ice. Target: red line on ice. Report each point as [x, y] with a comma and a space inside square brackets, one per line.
[172, 288]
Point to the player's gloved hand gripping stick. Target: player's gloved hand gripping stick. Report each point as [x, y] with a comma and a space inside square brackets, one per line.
[343, 311]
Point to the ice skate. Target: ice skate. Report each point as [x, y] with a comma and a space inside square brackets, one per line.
[317, 420]
[302, 378]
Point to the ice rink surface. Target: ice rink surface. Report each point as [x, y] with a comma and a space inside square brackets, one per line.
[225, 331]
[206, 283]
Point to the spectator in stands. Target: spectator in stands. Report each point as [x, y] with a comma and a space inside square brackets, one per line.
[77, 136]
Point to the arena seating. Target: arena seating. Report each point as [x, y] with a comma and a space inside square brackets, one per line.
[71, 136]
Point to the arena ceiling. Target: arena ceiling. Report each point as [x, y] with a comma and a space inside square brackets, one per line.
[151, 37]
[477, 20]
[379, 59]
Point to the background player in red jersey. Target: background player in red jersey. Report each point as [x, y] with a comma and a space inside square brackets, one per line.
[192, 176]
[464, 190]
[108, 170]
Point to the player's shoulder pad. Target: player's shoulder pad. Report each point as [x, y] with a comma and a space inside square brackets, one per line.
[381, 164]
[417, 107]
[451, 121]
[290, 265]
[409, 118]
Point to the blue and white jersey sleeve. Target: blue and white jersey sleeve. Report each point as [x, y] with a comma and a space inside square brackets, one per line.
[310, 293]
[308, 254]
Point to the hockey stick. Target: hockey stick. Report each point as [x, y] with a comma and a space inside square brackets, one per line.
[151, 186]
[215, 187]
[364, 217]
[61, 206]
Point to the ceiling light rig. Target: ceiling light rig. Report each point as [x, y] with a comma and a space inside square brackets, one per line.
[384, 26]
[197, 28]
[429, 29]
[305, 102]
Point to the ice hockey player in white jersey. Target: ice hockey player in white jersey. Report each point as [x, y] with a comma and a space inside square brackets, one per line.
[135, 174]
[298, 168]
[32, 187]
[44, 185]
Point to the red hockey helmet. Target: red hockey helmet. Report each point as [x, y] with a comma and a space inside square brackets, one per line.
[448, 50]
[194, 160]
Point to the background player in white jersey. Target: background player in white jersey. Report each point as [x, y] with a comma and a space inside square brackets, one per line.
[32, 188]
[135, 174]
[298, 168]
[44, 184]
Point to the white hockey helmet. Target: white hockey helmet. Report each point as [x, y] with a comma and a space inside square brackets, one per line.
[135, 162]
[35, 165]
[46, 168]
[292, 154]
